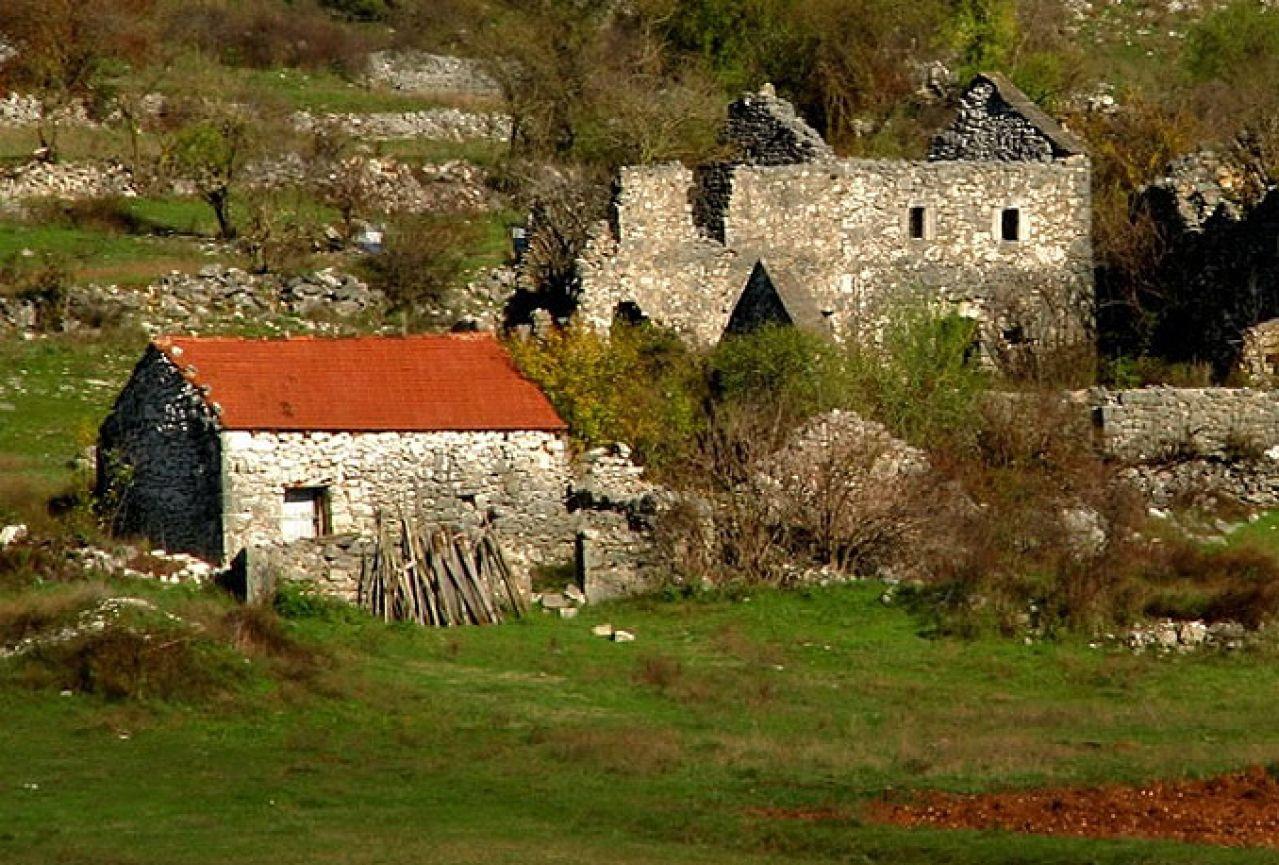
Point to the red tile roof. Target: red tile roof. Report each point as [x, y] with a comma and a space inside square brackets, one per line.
[411, 383]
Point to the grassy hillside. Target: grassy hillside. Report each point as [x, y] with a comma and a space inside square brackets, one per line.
[538, 742]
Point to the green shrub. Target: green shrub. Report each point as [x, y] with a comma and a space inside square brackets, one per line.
[1233, 42]
[797, 373]
[640, 385]
[923, 382]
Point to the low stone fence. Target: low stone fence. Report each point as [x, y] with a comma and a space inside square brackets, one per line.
[418, 71]
[215, 295]
[437, 124]
[1168, 424]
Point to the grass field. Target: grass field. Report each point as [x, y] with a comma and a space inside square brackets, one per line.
[537, 742]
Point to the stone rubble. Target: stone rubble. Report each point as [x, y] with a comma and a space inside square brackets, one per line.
[105, 615]
[1168, 636]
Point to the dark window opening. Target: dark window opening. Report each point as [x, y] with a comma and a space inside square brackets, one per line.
[1015, 335]
[1272, 363]
[1010, 224]
[629, 312]
[917, 224]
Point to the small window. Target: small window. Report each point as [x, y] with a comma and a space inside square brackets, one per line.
[1015, 335]
[306, 513]
[918, 223]
[1010, 224]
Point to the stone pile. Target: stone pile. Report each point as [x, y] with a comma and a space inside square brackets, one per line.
[215, 295]
[388, 186]
[176, 568]
[418, 71]
[437, 124]
[21, 109]
[1167, 636]
[70, 180]
[565, 604]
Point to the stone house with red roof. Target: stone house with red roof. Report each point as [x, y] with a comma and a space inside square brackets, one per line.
[295, 446]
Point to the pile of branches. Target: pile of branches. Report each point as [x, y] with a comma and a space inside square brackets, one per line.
[439, 577]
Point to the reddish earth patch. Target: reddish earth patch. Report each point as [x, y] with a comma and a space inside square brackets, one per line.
[1237, 810]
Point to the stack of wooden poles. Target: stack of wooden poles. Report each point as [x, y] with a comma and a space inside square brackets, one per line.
[439, 577]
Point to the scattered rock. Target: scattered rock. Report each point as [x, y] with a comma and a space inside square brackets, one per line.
[623, 637]
[12, 534]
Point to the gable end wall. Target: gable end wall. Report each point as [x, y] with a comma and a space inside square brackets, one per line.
[159, 462]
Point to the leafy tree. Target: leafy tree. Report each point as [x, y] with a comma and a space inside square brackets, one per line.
[640, 385]
[210, 150]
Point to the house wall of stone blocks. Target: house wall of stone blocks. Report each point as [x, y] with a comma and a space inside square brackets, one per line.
[516, 480]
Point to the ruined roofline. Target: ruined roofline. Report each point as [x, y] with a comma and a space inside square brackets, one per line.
[1064, 142]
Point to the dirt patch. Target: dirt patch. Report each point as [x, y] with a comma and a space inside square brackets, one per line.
[1236, 810]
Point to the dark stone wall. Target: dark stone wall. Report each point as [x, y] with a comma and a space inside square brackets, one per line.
[766, 130]
[712, 193]
[988, 128]
[1216, 279]
[159, 462]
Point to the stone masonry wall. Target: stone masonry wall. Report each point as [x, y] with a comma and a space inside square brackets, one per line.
[158, 455]
[521, 478]
[986, 127]
[1164, 423]
[841, 229]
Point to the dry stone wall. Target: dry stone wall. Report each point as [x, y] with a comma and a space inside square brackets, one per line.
[1164, 423]
[418, 71]
[842, 230]
[438, 124]
[159, 459]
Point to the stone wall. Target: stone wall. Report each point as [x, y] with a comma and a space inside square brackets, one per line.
[158, 462]
[616, 511]
[213, 297]
[418, 71]
[765, 130]
[439, 124]
[517, 479]
[841, 230]
[1164, 423]
[986, 127]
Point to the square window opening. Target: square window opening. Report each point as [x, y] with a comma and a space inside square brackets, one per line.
[918, 224]
[306, 513]
[1010, 224]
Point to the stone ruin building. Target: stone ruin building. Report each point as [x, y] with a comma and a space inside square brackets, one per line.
[995, 224]
[288, 451]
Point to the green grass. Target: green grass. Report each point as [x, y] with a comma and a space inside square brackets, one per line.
[1262, 535]
[537, 742]
[53, 394]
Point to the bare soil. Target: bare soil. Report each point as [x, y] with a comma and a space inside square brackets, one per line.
[1236, 810]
